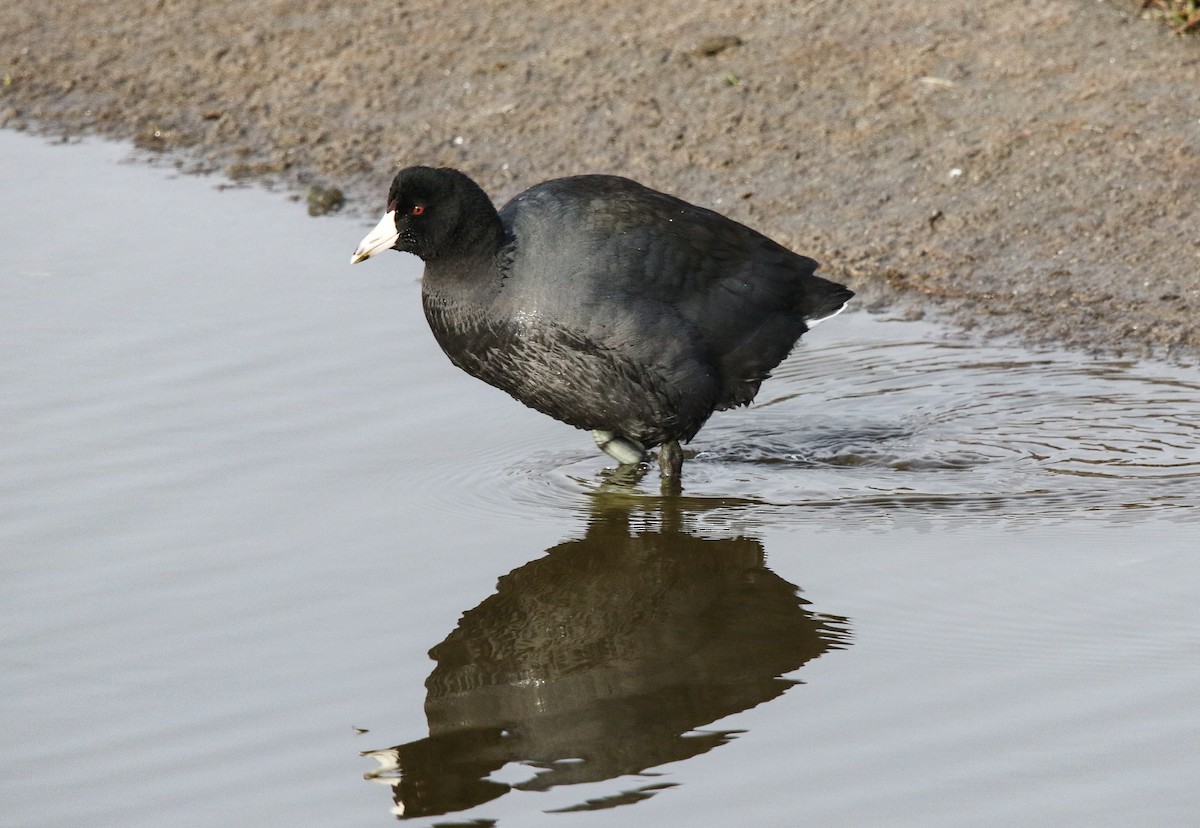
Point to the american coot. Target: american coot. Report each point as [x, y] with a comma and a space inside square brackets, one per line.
[603, 303]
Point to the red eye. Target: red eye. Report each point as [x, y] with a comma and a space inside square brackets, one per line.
[417, 209]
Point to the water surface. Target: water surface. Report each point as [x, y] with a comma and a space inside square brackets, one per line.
[269, 559]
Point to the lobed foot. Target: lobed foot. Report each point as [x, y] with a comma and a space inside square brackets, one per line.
[622, 449]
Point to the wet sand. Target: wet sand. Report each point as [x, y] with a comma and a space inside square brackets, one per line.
[1031, 167]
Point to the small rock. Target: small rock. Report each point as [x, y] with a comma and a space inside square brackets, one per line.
[324, 200]
[714, 45]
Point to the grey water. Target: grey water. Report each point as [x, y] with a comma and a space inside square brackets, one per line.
[267, 558]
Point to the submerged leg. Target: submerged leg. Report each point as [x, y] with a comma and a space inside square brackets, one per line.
[670, 460]
[622, 449]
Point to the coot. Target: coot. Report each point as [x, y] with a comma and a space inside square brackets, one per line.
[603, 303]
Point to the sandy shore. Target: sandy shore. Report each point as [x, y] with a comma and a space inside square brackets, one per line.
[1028, 166]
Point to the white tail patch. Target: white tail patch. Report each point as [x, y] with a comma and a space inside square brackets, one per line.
[813, 321]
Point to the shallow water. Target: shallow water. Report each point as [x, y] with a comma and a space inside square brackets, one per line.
[248, 510]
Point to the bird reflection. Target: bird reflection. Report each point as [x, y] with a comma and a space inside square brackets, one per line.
[601, 659]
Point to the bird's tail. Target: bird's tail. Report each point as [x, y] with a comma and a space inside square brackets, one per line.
[823, 299]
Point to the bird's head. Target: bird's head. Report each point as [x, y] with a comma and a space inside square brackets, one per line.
[433, 213]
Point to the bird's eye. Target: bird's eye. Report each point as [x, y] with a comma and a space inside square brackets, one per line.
[417, 209]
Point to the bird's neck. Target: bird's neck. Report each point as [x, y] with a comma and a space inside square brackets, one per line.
[471, 242]
[472, 231]
[468, 281]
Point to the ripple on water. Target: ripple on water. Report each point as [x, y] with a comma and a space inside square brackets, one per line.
[881, 417]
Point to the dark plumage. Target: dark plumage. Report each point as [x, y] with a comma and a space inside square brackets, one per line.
[603, 303]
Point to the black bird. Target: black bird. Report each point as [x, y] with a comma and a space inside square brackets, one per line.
[603, 303]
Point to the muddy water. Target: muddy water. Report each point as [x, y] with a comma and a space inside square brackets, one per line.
[268, 559]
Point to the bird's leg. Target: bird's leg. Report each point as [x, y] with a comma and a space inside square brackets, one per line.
[622, 449]
[670, 460]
